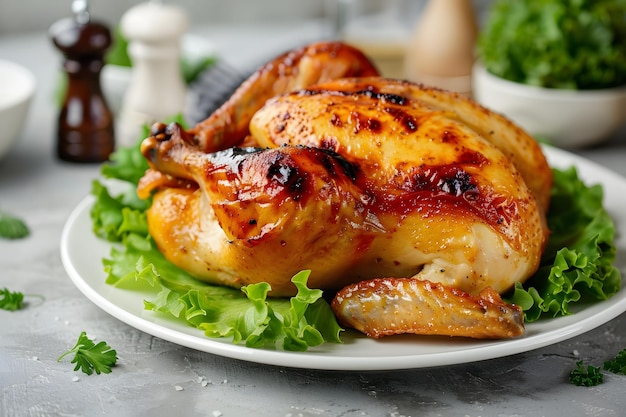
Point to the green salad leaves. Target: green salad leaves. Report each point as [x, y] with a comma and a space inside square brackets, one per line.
[567, 44]
[577, 267]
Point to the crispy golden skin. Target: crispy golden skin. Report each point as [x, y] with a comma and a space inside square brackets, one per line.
[354, 179]
[388, 306]
[300, 68]
[261, 215]
[436, 199]
[368, 115]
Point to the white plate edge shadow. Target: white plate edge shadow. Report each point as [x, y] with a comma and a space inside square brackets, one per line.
[403, 353]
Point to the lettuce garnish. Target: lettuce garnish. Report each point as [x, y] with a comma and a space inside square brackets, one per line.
[577, 267]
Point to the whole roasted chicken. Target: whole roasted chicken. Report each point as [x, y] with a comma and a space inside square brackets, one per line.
[417, 205]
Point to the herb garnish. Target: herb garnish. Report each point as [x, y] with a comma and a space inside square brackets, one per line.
[90, 357]
[11, 300]
[591, 376]
[618, 364]
[12, 227]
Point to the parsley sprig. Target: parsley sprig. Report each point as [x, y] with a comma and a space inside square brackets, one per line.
[618, 364]
[590, 376]
[11, 300]
[90, 357]
[12, 227]
[586, 376]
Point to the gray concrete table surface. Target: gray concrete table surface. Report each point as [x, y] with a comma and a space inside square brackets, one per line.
[159, 378]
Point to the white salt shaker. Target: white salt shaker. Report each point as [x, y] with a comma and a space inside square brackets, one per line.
[441, 50]
[157, 89]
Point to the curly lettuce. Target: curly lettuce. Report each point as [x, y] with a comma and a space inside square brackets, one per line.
[577, 265]
[566, 44]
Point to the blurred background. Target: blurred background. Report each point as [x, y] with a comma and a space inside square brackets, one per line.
[430, 42]
[34, 15]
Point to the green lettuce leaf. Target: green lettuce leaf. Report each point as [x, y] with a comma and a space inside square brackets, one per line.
[247, 316]
[567, 44]
[127, 164]
[577, 265]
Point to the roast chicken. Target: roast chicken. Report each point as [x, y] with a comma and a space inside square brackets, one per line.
[386, 190]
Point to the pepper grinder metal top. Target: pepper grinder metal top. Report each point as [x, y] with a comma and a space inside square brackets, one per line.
[80, 8]
[157, 89]
[85, 123]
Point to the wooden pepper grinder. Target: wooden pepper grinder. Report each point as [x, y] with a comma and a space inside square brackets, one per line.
[85, 123]
[441, 50]
[157, 89]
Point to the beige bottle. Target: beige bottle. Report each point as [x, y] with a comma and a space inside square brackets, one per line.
[440, 52]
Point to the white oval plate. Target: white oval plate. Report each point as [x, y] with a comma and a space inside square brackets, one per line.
[82, 255]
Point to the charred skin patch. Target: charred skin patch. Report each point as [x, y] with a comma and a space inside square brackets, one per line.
[256, 190]
[368, 91]
[331, 160]
[329, 144]
[442, 190]
[390, 103]
[371, 92]
[284, 173]
[261, 175]
[408, 122]
[335, 120]
[367, 123]
[451, 180]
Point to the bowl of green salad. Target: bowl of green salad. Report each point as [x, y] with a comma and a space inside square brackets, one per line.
[555, 67]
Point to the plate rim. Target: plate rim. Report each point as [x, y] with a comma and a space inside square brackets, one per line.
[608, 310]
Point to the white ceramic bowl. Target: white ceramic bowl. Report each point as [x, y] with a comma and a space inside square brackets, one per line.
[17, 88]
[564, 118]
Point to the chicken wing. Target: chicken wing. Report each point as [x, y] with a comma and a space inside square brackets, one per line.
[388, 306]
[300, 68]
